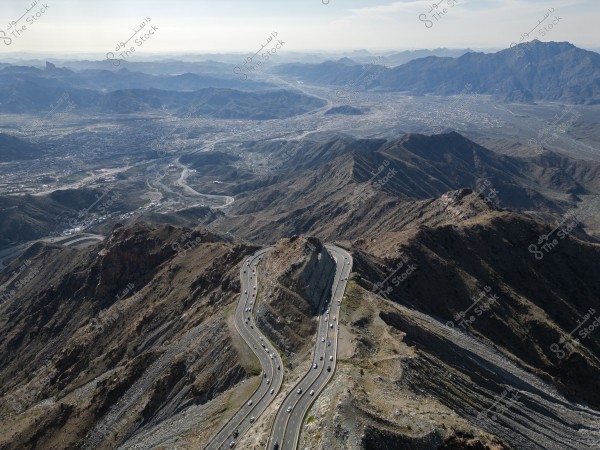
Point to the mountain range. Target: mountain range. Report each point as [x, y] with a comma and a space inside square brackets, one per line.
[550, 71]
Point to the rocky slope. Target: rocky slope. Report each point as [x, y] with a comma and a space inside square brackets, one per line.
[453, 335]
[100, 344]
[347, 188]
[297, 274]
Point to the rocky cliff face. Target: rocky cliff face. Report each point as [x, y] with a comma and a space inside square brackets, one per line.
[298, 273]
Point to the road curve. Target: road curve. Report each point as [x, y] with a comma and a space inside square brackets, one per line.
[269, 359]
[182, 182]
[285, 431]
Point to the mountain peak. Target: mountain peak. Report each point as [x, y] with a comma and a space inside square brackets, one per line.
[347, 61]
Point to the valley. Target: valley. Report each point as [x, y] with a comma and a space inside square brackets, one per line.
[331, 254]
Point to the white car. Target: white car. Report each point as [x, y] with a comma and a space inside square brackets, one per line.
[268, 381]
[249, 403]
[271, 391]
[289, 409]
[312, 392]
[252, 419]
[299, 391]
[322, 339]
[245, 292]
[231, 444]
[314, 365]
[330, 357]
[331, 325]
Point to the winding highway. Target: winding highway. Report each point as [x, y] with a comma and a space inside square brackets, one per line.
[272, 366]
[285, 431]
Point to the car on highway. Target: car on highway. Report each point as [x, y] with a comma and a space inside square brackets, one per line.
[330, 357]
[276, 446]
[245, 292]
[289, 409]
[312, 393]
[315, 366]
[249, 403]
[231, 444]
[252, 419]
[268, 381]
[328, 368]
[321, 358]
[331, 325]
[271, 391]
[235, 433]
[299, 391]
[322, 339]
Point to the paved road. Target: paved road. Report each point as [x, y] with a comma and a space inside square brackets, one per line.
[182, 181]
[8, 254]
[269, 359]
[291, 415]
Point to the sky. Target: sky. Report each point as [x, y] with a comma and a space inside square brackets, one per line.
[174, 27]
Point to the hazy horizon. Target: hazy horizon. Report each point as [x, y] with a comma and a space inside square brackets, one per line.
[67, 27]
